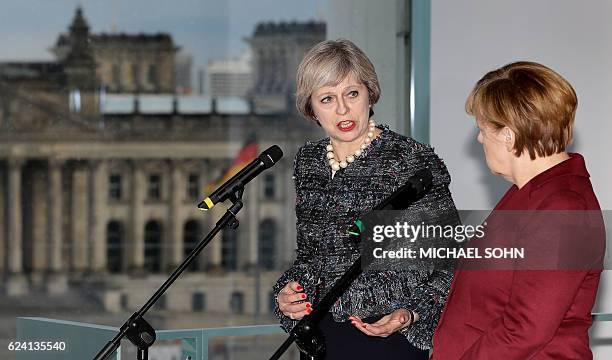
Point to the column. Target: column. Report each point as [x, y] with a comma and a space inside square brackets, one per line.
[138, 186]
[16, 284]
[15, 217]
[98, 191]
[174, 239]
[214, 248]
[36, 234]
[252, 222]
[56, 281]
[55, 215]
[79, 210]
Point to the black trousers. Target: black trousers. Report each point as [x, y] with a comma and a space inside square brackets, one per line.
[344, 341]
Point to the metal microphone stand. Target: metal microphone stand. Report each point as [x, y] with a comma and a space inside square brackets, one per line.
[136, 328]
[306, 333]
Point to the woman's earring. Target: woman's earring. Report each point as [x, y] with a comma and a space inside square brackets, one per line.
[509, 145]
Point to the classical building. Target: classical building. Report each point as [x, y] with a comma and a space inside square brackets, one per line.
[99, 191]
[134, 63]
[277, 50]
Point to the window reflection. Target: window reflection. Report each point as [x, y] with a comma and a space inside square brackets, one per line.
[192, 235]
[114, 246]
[144, 115]
[152, 246]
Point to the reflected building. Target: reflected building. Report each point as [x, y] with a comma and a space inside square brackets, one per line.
[230, 77]
[133, 63]
[277, 50]
[183, 65]
[101, 170]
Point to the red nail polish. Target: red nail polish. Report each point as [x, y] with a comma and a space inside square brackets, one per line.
[308, 311]
[299, 287]
[308, 305]
[364, 325]
[303, 296]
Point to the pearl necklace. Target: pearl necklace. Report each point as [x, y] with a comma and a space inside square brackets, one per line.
[335, 165]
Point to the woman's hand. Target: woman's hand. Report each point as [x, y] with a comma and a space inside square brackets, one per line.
[387, 325]
[292, 301]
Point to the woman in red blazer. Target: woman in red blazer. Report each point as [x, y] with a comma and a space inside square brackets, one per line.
[525, 113]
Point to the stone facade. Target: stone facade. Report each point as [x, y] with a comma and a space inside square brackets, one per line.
[277, 50]
[107, 201]
[125, 63]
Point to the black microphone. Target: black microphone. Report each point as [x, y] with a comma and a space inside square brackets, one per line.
[264, 161]
[415, 188]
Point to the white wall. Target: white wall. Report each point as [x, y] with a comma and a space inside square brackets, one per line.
[471, 37]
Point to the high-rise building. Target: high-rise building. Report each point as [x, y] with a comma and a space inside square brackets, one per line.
[230, 77]
[183, 72]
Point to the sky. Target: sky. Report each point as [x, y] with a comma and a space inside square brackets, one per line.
[205, 29]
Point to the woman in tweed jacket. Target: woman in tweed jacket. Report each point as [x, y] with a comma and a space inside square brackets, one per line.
[338, 179]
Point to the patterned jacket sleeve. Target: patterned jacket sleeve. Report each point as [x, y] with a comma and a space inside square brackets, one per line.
[301, 270]
[429, 296]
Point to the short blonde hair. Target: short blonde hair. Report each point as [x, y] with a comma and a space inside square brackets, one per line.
[328, 63]
[537, 103]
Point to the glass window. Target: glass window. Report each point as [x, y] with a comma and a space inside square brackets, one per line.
[154, 187]
[269, 186]
[267, 239]
[153, 242]
[141, 90]
[114, 246]
[152, 75]
[116, 77]
[193, 186]
[237, 303]
[198, 302]
[191, 236]
[229, 250]
[114, 187]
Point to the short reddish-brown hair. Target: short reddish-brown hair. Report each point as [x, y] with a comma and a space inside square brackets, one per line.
[534, 101]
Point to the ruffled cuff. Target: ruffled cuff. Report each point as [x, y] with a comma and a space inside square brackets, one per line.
[304, 276]
[427, 300]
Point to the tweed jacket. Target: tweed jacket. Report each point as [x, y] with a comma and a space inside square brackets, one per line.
[327, 206]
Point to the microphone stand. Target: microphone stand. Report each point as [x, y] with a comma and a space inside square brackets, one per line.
[306, 333]
[136, 328]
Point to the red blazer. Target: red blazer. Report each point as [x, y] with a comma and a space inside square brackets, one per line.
[525, 314]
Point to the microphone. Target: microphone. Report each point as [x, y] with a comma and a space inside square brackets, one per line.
[414, 189]
[266, 160]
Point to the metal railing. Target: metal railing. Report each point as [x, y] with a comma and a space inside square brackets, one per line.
[82, 341]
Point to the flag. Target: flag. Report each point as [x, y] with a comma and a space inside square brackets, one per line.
[242, 159]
